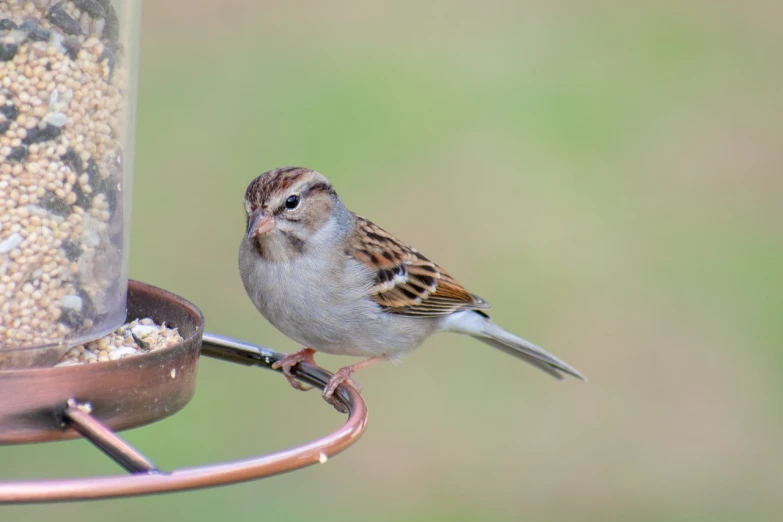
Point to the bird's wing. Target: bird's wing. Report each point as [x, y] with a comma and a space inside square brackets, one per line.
[406, 282]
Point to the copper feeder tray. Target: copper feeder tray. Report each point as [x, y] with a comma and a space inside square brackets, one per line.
[50, 404]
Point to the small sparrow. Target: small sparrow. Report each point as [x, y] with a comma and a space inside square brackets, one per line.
[337, 283]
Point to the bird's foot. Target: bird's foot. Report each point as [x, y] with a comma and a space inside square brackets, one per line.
[343, 376]
[289, 361]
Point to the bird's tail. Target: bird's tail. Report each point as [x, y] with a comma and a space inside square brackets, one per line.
[482, 328]
[497, 337]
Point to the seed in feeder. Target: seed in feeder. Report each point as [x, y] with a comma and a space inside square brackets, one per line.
[8, 51]
[114, 346]
[39, 34]
[88, 308]
[29, 25]
[84, 23]
[58, 17]
[72, 302]
[111, 29]
[6, 24]
[142, 330]
[9, 244]
[58, 119]
[40, 135]
[55, 205]
[33, 168]
[141, 344]
[70, 318]
[99, 25]
[110, 55]
[122, 352]
[91, 7]
[81, 198]
[4, 126]
[34, 31]
[17, 154]
[111, 197]
[16, 37]
[72, 46]
[72, 249]
[9, 111]
[92, 173]
[73, 160]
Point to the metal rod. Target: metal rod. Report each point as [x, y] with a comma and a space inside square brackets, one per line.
[78, 417]
[234, 350]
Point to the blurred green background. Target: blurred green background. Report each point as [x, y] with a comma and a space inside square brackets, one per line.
[608, 175]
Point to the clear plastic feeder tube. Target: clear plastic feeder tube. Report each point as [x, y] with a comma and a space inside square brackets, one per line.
[68, 74]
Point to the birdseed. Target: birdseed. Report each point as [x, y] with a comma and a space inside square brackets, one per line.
[63, 104]
[135, 338]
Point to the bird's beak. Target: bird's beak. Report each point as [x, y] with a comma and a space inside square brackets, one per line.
[259, 224]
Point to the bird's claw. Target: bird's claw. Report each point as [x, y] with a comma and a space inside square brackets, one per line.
[342, 376]
[294, 382]
[289, 361]
[336, 403]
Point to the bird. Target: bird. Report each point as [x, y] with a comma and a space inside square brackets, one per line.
[337, 283]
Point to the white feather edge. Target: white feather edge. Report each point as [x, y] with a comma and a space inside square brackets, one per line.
[484, 329]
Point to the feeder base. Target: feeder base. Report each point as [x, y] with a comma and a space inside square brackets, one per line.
[122, 394]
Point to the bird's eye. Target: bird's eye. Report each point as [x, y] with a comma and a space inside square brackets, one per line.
[292, 202]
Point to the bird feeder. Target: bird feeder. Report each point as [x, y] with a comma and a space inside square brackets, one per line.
[84, 352]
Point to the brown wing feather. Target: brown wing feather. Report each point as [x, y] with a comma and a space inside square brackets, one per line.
[406, 281]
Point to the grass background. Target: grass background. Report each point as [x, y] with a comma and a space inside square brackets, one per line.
[608, 175]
